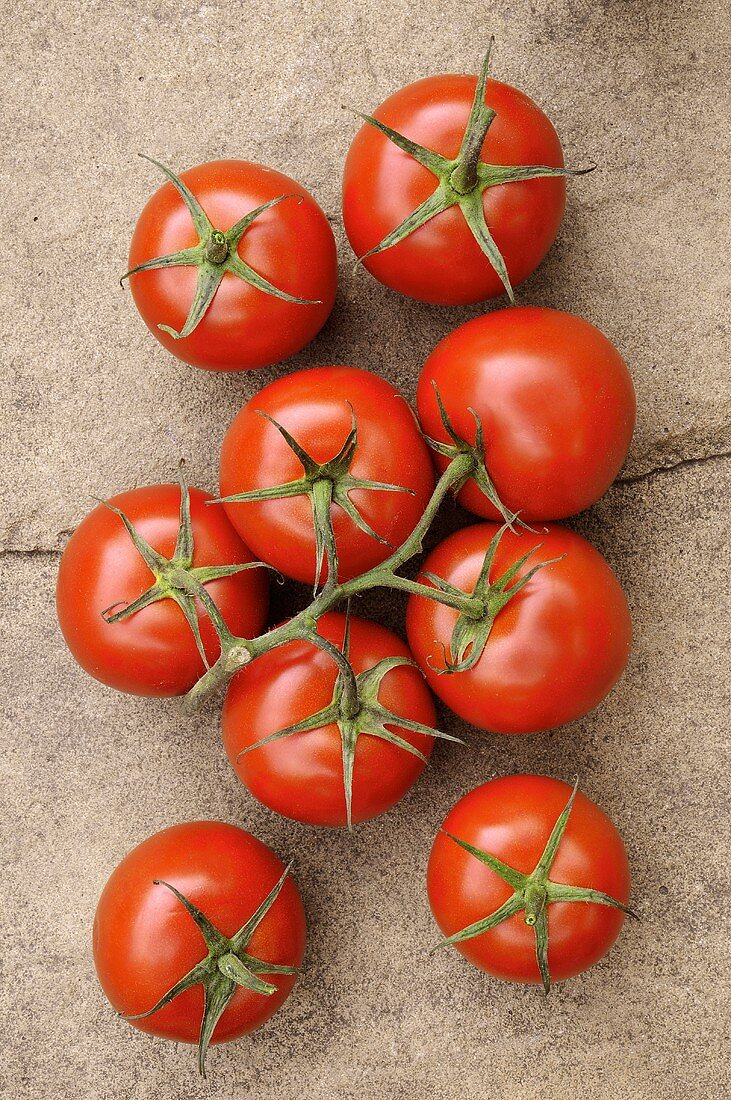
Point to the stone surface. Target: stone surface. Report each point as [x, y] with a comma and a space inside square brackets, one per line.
[636, 87]
[91, 404]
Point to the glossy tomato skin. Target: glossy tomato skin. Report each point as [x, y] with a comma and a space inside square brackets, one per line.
[315, 406]
[301, 776]
[555, 651]
[441, 262]
[556, 402]
[153, 652]
[290, 244]
[144, 941]
[512, 818]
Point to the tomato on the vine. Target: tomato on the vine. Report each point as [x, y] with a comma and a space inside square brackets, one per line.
[200, 904]
[533, 660]
[132, 623]
[556, 404]
[529, 881]
[453, 190]
[344, 447]
[232, 265]
[332, 761]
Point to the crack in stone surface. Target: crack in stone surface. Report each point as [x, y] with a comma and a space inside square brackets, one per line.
[701, 442]
[629, 479]
[700, 460]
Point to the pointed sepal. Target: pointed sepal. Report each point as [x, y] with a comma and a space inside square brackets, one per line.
[533, 893]
[327, 484]
[462, 181]
[356, 709]
[225, 967]
[207, 283]
[508, 874]
[508, 909]
[215, 255]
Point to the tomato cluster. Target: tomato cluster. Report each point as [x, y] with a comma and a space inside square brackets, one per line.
[516, 623]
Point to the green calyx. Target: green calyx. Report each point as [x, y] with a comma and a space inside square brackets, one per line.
[356, 710]
[474, 625]
[327, 484]
[215, 254]
[176, 578]
[226, 967]
[477, 469]
[463, 181]
[532, 894]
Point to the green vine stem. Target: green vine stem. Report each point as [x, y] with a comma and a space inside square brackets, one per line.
[178, 579]
[236, 653]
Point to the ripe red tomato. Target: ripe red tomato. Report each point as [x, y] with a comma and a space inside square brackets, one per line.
[554, 652]
[556, 402]
[289, 244]
[154, 651]
[317, 407]
[301, 775]
[145, 941]
[512, 818]
[441, 261]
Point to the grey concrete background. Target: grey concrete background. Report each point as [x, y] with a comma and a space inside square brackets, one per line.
[91, 405]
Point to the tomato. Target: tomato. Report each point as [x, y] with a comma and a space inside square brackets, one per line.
[153, 652]
[556, 403]
[319, 407]
[290, 245]
[441, 261]
[554, 651]
[145, 941]
[512, 818]
[302, 775]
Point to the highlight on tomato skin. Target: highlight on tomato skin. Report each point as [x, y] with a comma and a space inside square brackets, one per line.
[555, 400]
[241, 901]
[154, 651]
[551, 654]
[276, 284]
[513, 819]
[301, 775]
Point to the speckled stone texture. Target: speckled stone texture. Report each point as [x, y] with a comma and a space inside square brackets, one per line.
[92, 404]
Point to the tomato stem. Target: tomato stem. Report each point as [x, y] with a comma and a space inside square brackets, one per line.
[329, 484]
[216, 248]
[534, 899]
[238, 652]
[464, 178]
